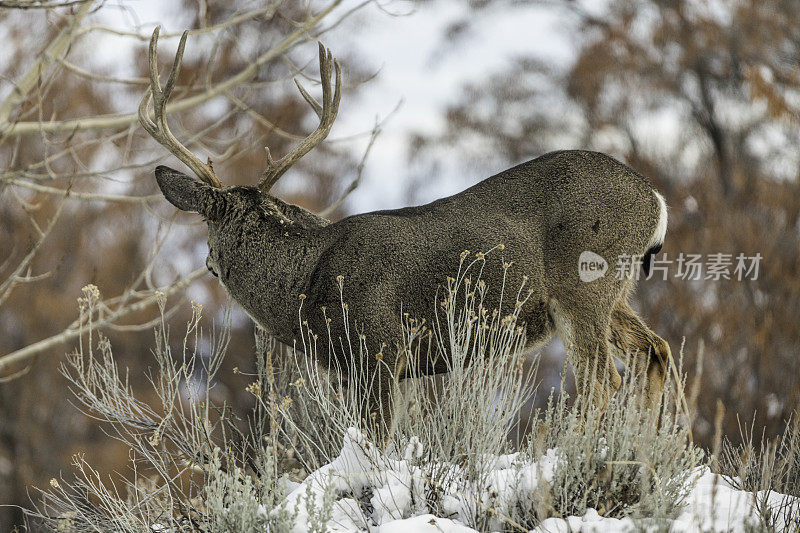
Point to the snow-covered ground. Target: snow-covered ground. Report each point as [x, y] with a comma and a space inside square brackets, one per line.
[371, 492]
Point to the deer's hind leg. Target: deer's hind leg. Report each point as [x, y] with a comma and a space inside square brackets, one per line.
[649, 353]
[584, 332]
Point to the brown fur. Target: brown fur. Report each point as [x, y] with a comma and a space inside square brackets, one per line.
[272, 257]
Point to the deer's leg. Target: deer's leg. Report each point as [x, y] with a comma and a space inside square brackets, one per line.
[585, 337]
[650, 353]
[597, 377]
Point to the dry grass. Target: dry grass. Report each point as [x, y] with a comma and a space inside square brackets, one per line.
[195, 464]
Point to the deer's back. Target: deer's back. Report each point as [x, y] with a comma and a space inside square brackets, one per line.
[544, 212]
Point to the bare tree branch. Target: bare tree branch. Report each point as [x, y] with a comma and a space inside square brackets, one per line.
[359, 174]
[75, 195]
[47, 58]
[40, 4]
[376, 130]
[8, 284]
[125, 119]
[268, 11]
[75, 329]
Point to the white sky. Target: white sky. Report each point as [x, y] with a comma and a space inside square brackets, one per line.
[420, 67]
[417, 65]
[414, 62]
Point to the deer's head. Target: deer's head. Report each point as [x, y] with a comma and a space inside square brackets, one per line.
[234, 213]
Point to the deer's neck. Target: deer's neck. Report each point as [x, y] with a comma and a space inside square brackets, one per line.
[277, 270]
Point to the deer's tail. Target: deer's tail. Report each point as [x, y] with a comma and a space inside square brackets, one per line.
[660, 231]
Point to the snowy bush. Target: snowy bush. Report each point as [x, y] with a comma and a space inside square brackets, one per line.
[622, 463]
[771, 472]
[306, 458]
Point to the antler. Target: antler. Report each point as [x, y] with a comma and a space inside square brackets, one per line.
[159, 129]
[326, 113]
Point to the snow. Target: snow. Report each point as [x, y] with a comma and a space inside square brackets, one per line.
[424, 523]
[394, 490]
[712, 505]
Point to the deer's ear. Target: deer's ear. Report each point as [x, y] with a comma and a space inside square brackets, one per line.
[186, 193]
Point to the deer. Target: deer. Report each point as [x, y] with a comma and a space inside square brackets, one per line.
[284, 265]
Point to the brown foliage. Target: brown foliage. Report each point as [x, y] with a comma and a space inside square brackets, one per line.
[726, 77]
[108, 228]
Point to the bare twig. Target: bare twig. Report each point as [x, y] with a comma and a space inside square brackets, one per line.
[85, 195]
[75, 329]
[376, 130]
[47, 58]
[126, 119]
[268, 12]
[40, 4]
[8, 284]
[100, 77]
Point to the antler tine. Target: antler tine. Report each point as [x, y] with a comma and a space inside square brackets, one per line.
[325, 77]
[159, 129]
[176, 65]
[326, 112]
[308, 98]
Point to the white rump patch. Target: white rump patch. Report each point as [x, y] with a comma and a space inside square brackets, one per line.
[661, 228]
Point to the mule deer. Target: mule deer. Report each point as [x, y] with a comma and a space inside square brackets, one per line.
[281, 262]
